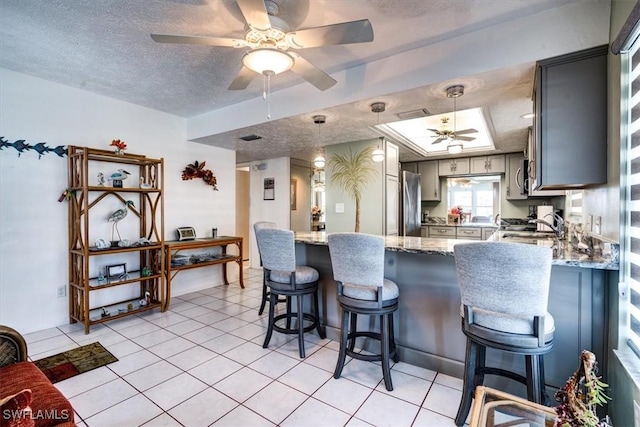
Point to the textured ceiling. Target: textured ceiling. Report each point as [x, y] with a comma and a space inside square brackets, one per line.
[104, 47]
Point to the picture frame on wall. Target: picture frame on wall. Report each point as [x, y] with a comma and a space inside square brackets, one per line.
[269, 189]
[294, 194]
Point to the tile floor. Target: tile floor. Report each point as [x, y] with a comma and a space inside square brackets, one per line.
[202, 363]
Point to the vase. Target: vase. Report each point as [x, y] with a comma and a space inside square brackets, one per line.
[119, 152]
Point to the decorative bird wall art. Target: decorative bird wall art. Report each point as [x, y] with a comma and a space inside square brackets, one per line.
[118, 216]
[41, 148]
[118, 177]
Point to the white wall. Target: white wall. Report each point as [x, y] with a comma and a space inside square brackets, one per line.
[277, 210]
[33, 225]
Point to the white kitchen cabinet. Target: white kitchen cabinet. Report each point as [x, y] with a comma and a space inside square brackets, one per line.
[429, 181]
[487, 232]
[392, 165]
[424, 231]
[469, 233]
[487, 164]
[453, 167]
[442, 232]
[515, 185]
[392, 191]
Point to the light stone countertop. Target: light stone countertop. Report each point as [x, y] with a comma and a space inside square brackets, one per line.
[566, 257]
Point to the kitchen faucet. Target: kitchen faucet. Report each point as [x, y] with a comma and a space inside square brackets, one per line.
[557, 229]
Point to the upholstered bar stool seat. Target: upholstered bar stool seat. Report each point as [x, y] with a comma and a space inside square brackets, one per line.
[284, 278]
[504, 289]
[357, 261]
[265, 290]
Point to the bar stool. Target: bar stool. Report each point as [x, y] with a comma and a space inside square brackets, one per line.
[285, 278]
[505, 291]
[358, 269]
[265, 291]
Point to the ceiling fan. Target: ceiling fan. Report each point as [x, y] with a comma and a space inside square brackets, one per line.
[452, 135]
[269, 40]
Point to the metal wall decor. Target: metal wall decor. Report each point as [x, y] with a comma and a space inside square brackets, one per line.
[41, 148]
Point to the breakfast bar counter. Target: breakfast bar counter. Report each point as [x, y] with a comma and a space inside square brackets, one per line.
[427, 325]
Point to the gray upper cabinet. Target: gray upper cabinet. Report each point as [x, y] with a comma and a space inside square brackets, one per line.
[570, 126]
[429, 181]
[515, 185]
[487, 165]
[453, 167]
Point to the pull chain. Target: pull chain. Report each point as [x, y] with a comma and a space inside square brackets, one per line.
[266, 88]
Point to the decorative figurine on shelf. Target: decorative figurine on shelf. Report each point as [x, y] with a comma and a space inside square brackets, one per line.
[118, 177]
[118, 216]
[120, 146]
[130, 306]
[144, 185]
[147, 297]
[146, 271]
[316, 212]
[100, 179]
[101, 279]
[105, 313]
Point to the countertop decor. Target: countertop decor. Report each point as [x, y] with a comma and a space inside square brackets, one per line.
[566, 256]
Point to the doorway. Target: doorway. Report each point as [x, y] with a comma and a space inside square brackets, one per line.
[243, 225]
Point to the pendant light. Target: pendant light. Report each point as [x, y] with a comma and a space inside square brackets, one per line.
[319, 161]
[455, 146]
[378, 153]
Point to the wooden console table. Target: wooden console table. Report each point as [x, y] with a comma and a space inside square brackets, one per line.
[172, 248]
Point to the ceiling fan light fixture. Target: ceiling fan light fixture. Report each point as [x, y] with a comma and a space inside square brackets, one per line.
[267, 61]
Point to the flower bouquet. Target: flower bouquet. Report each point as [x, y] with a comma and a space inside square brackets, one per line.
[316, 212]
[120, 146]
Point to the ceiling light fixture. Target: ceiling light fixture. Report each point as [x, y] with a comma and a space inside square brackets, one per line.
[319, 161]
[268, 62]
[456, 91]
[378, 154]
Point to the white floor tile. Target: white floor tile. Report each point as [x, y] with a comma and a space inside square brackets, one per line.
[204, 334]
[164, 420]
[175, 390]
[87, 381]
[108, 338]
[139, 329]
[133, 412]
[428, 418]
[416, 371]
[242, 416]
[178, 306]
[166, 319]
[102, 397]
[195, 312]
[242, 384]
[191, 358]
[449, 381]
[310, 410]
[217, 304]
[51, 352]
[249, 331]
[154, 338]
[356, 422]
[443, 400]
[173, 346]
[407, 387]
[324, 358]
[291, 348]
[229, 324]
[275, 402]
[152, 375]
[125, 322]
[368, 374]
[123, 348]
[343, 394]
[215, 369]
[133, 362]
[185, 327]
[50, 344]
[233, 309]
[71, 327]
[383, 410]
[247, 353]
[211, 318]
[274, 364]
[305, 378]
[203, 409]
[42, 335]
[223, 343]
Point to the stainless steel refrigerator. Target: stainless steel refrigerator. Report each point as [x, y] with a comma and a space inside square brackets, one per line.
[410, 204]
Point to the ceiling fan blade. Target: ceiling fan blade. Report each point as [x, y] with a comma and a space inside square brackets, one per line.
[434, 130]
[201, 40]
[312, 74]
[243, 79]
[464, 138]
[344, 33]
[464, 131]
[255, 13]
[440, 139]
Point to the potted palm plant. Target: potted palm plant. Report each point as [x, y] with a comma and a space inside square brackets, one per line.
[352, 172]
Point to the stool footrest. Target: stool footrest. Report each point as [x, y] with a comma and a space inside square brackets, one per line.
[502, 372]
[306, 316]
[368, 357]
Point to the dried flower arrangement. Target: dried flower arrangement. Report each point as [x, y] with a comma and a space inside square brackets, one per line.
[197, 170]
[581, 395]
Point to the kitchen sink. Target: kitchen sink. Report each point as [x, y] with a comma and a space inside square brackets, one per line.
[528, 234]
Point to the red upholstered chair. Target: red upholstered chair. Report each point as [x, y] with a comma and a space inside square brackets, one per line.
[48, 406]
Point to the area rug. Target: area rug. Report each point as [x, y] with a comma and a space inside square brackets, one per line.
[73, 362]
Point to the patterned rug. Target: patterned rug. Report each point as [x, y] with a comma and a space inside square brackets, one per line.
[73, 362]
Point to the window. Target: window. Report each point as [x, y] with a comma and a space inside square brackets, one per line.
[630, 186]
[478, 196]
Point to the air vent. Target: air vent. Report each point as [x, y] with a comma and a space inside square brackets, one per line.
[250, 138]
[414, 114]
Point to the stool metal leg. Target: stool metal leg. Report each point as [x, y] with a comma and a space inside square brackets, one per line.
[534, 389]
[392, 339]
[352, 330]
[384, 344]
[342, 354]
[468, 382]
[316, 307]
[300, 315]
[272, 306]
[288, 321]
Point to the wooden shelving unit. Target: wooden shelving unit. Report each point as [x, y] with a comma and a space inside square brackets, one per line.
[148, 210]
